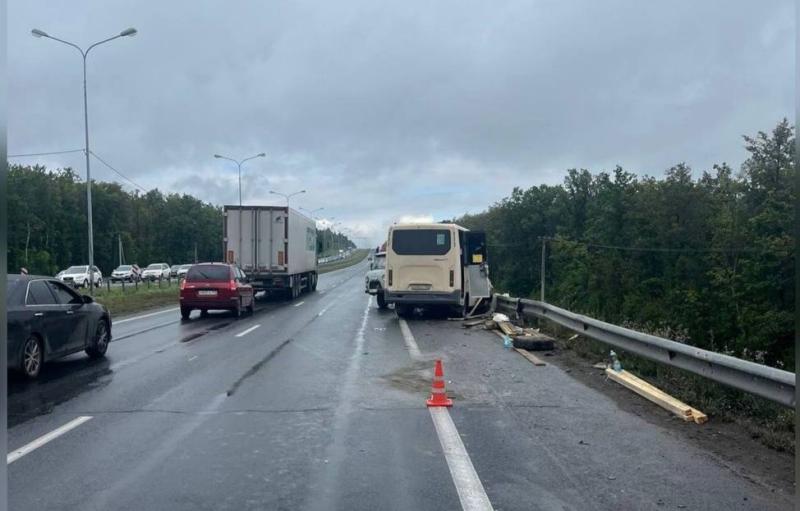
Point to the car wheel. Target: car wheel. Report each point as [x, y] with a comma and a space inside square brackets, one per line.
[203, 313]
[185, 312]
[252, 308]
[32, 357]
[381, 300]
[100, 343]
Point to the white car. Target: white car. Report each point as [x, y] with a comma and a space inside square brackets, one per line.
[156, 271]
[125, 272]
[183, 270]
[78, 276]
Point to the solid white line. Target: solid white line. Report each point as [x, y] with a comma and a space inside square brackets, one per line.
[298, 304]
[411, 343]
[25, 449]
[117, 322]
[468, 485]
[247, 331]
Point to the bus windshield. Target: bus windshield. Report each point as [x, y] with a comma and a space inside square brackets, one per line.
[421, 242]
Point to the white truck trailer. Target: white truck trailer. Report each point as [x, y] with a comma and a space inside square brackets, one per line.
[275, 246]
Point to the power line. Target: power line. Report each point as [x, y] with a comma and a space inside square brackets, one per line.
[652, 249]
[120, 174]
[45, 154]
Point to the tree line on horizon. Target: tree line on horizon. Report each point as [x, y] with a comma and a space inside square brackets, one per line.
[707, 260]
[47, 228]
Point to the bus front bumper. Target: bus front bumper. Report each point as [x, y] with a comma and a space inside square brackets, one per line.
[424, 297]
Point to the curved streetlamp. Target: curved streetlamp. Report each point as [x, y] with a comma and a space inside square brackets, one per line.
[285, 196]
[239, 164]
[128, 32]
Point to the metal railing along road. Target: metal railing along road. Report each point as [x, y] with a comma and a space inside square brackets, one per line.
[768, 382]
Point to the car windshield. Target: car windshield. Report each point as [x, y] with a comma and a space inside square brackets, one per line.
[185, 267]
[76, 269]
[210, 273]
[379, 263]
[154, 267]
[123, 268]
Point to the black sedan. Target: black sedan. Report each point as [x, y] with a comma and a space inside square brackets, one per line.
[48, 320]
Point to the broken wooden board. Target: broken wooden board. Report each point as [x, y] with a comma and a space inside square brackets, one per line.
[657, 396]
[473, 322]
[508, 328]
[531, 357]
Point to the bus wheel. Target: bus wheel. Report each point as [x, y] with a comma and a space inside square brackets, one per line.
[402, 310]
[381, 300]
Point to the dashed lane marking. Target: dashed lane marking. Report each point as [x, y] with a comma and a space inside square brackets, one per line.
[117, 322]
[44, 439]
[298, 304]
[245, 332]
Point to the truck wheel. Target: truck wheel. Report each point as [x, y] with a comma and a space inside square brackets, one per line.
[314, 281]
[381, 300]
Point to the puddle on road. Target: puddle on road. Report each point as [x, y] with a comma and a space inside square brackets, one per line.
[415, 378]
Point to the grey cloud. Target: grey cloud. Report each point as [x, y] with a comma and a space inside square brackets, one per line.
[362, 103]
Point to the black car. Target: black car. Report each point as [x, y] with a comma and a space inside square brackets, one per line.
[48, 320]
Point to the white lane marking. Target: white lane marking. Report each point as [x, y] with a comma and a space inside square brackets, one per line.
[298, 304]
[117, 322]
[323, 311]
[240, 334]
[411, 343]
[42, 440]
[468, 484]
[192, 358]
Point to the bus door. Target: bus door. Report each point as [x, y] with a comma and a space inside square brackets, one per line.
[474, 261]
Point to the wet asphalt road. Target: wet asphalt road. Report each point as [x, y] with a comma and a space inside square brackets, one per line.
[322, 406]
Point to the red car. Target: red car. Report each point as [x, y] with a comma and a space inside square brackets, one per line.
[212, 286]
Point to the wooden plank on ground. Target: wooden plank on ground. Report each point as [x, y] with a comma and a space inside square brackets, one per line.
[656, 395]
[506, 327]
[527, 354]
[531, 357]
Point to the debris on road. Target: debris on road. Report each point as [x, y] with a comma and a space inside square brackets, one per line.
[657, 396]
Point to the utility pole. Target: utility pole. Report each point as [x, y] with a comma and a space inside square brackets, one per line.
[195, 252]
[121, 257]
[544, 258]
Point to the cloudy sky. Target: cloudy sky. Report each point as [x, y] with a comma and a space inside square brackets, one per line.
[389, 109]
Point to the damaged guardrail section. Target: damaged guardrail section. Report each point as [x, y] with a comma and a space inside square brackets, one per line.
[768, 382]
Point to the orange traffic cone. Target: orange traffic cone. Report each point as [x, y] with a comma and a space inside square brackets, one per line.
[438, 395]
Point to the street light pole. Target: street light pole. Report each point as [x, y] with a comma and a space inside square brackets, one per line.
[130, 32]
[239, 165]
[287, 197]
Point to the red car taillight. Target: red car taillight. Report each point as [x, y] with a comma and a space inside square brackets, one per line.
[183, 284]
[233, 285]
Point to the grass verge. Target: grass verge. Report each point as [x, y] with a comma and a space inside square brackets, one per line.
[769, 423]
[357, 257]
[131, 300]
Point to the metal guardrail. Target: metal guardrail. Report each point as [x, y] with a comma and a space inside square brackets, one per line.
[768, 382]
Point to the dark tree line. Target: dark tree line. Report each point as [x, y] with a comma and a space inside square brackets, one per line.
[710, 260]
[47, 229]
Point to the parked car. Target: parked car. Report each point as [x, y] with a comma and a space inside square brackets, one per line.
[183, 270]
[126, 273]
[48, 320]
[375, 282]
[215, 286]
[78, 276]
[156, 271]
[173, 270]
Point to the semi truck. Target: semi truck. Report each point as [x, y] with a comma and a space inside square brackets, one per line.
[275, 246]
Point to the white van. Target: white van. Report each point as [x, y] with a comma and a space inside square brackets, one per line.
[430, 265]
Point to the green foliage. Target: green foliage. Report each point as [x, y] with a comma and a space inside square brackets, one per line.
[47, 224]
[723, 268]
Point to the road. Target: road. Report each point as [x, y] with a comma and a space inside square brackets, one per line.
[320, 404]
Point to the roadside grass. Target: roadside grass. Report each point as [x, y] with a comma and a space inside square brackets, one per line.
[769, 423]
[134, 299]
[357, 257]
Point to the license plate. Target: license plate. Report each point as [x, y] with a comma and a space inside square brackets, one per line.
[206, 292]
